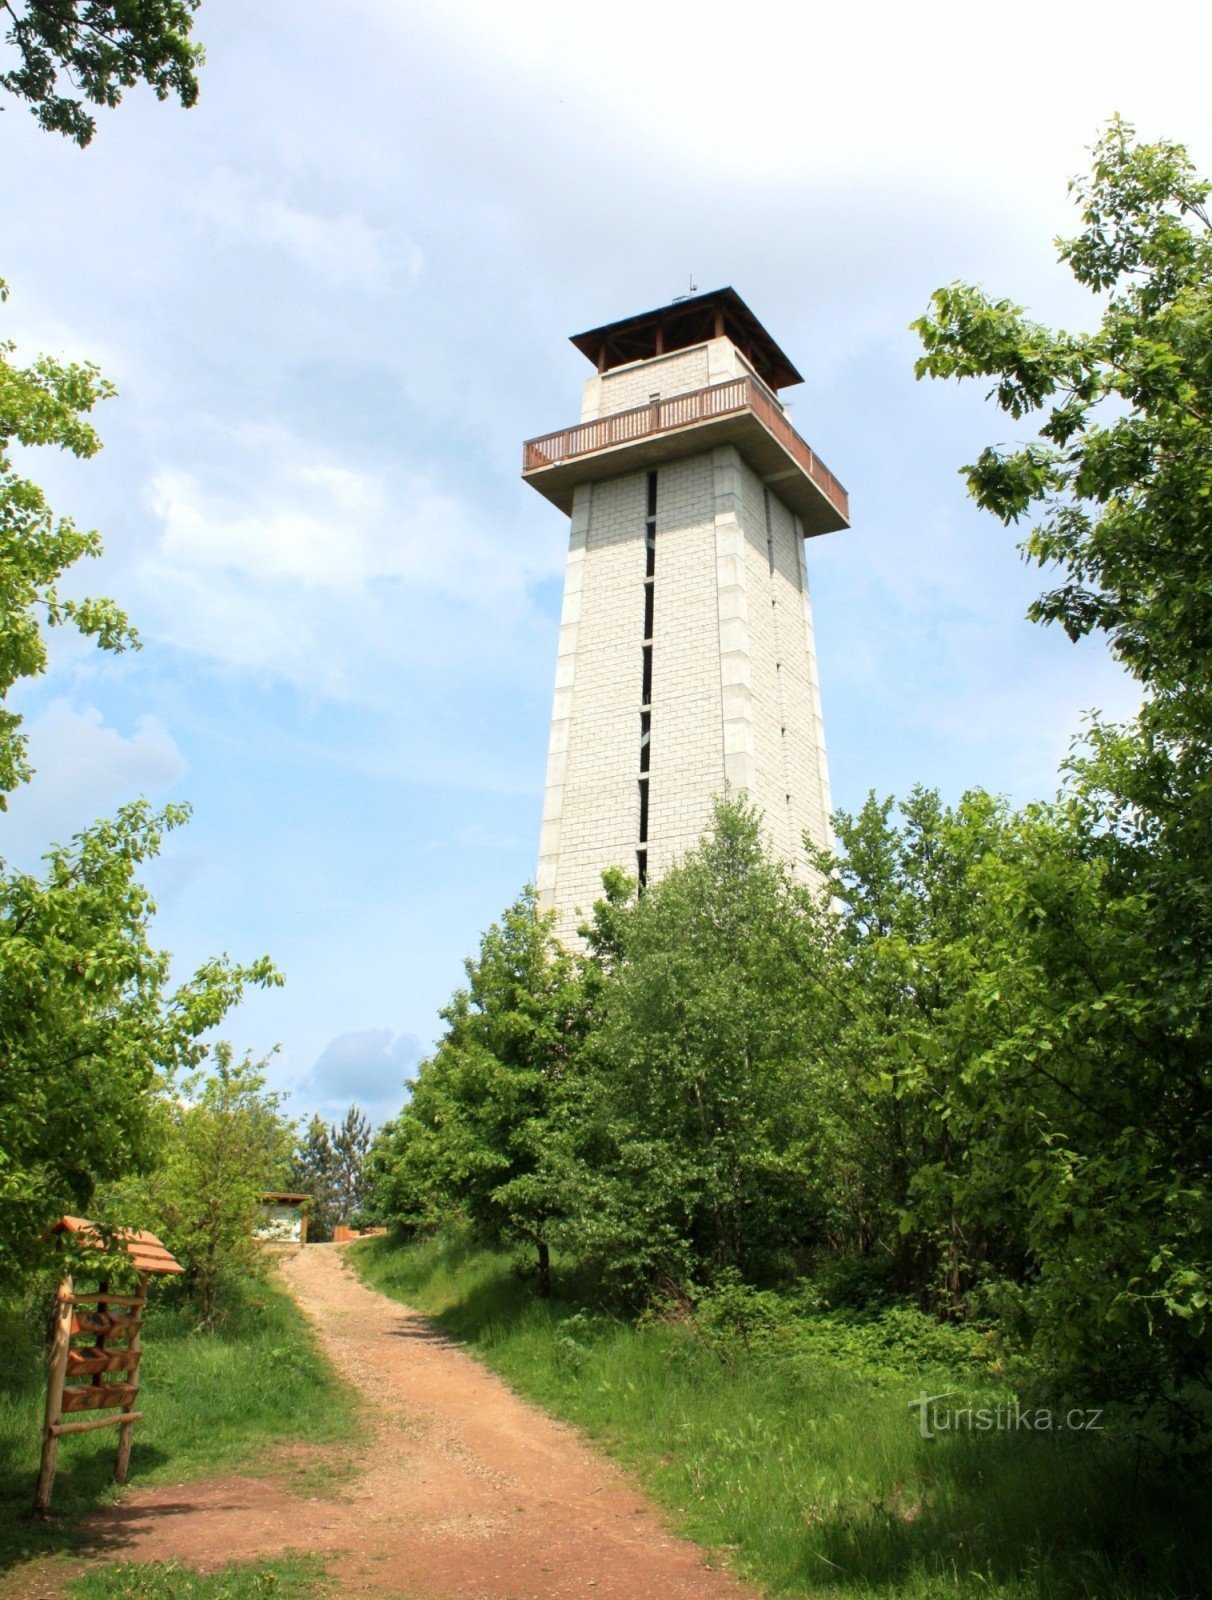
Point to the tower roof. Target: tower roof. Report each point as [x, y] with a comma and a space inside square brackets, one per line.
[717, 314]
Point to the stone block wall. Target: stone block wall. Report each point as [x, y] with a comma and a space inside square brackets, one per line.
[734, 684]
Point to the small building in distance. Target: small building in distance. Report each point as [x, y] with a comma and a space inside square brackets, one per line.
[282, 1218]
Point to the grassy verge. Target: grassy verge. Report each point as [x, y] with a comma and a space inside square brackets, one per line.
[287, 1579]
[807, 1464]
[213, 1400]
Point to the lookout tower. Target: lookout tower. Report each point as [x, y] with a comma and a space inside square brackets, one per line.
[686, 658]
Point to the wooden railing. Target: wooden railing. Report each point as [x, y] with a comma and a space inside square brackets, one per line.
[679, 411]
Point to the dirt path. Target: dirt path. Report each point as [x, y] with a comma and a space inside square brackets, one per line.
[465, 1490]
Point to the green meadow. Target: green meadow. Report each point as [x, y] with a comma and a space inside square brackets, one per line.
[798, 1456]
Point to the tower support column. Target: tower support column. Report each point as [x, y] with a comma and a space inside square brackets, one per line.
[562, 700]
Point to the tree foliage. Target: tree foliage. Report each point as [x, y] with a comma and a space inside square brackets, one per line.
[313, 1172]
[91, 1031]
[222, 1142]
[479, 1131]
[907, 891]
[329, 1164]
[228, 1144]
[975, 1068]
[47, 403]
[98, 48]
[90, 1026]
[350, 1140]
[705, 1081]
[1119, 479]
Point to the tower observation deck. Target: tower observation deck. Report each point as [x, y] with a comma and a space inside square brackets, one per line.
[686, 659]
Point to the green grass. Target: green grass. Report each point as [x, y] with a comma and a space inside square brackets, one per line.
[212, 1401]
[803, 1460]
[287, 1579]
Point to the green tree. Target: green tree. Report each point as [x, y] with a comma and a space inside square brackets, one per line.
[313, 1172]
[99, 48]
[1098, 1070]
[1119, 478]
[909, 903]
[478, 1133]
[698, 1142]
[90, 1027]
[228, 1142]
[350, 1140]
[1104, 1063]
[47, 403]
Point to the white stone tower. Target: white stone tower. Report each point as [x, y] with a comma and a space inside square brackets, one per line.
[686, 658]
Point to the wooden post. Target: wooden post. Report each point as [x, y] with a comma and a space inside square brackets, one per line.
[126, 1427]
[54, 1398]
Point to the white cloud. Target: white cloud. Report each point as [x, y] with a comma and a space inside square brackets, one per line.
[369, 1067]
[824, 93]
[330, 577]
[311, 536]
[84, 769]
[344, 249]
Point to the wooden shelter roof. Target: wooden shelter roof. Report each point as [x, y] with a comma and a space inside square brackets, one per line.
[684, 323]
[145, 1251]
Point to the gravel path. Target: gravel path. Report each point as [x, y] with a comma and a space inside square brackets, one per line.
[465, 1490]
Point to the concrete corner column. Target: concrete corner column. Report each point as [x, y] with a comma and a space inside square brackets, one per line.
[561, 704]
[591, 399]
[818, 720]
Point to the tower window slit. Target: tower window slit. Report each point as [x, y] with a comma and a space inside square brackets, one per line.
[641, 858]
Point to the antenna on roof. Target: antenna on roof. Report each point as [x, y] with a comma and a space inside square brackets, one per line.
[694, 289]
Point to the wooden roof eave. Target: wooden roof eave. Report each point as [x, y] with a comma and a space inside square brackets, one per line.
[145, 1252]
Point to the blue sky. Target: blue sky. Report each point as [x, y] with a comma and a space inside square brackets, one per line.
[336, 297]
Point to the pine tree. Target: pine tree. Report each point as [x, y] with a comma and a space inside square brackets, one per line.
[349, 1142]
[313, 1172]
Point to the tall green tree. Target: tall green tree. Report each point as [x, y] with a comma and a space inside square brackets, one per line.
[72, 54]
[91, 1029]
[1106, 1070]
[313, 1172]
[479, 1131]
[1118, 481]
[90, 1026]
[908, 903]
[227, 1142]
[349, 1141]
[698, 1143]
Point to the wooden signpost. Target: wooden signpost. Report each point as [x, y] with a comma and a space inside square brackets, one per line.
[110, 1370]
